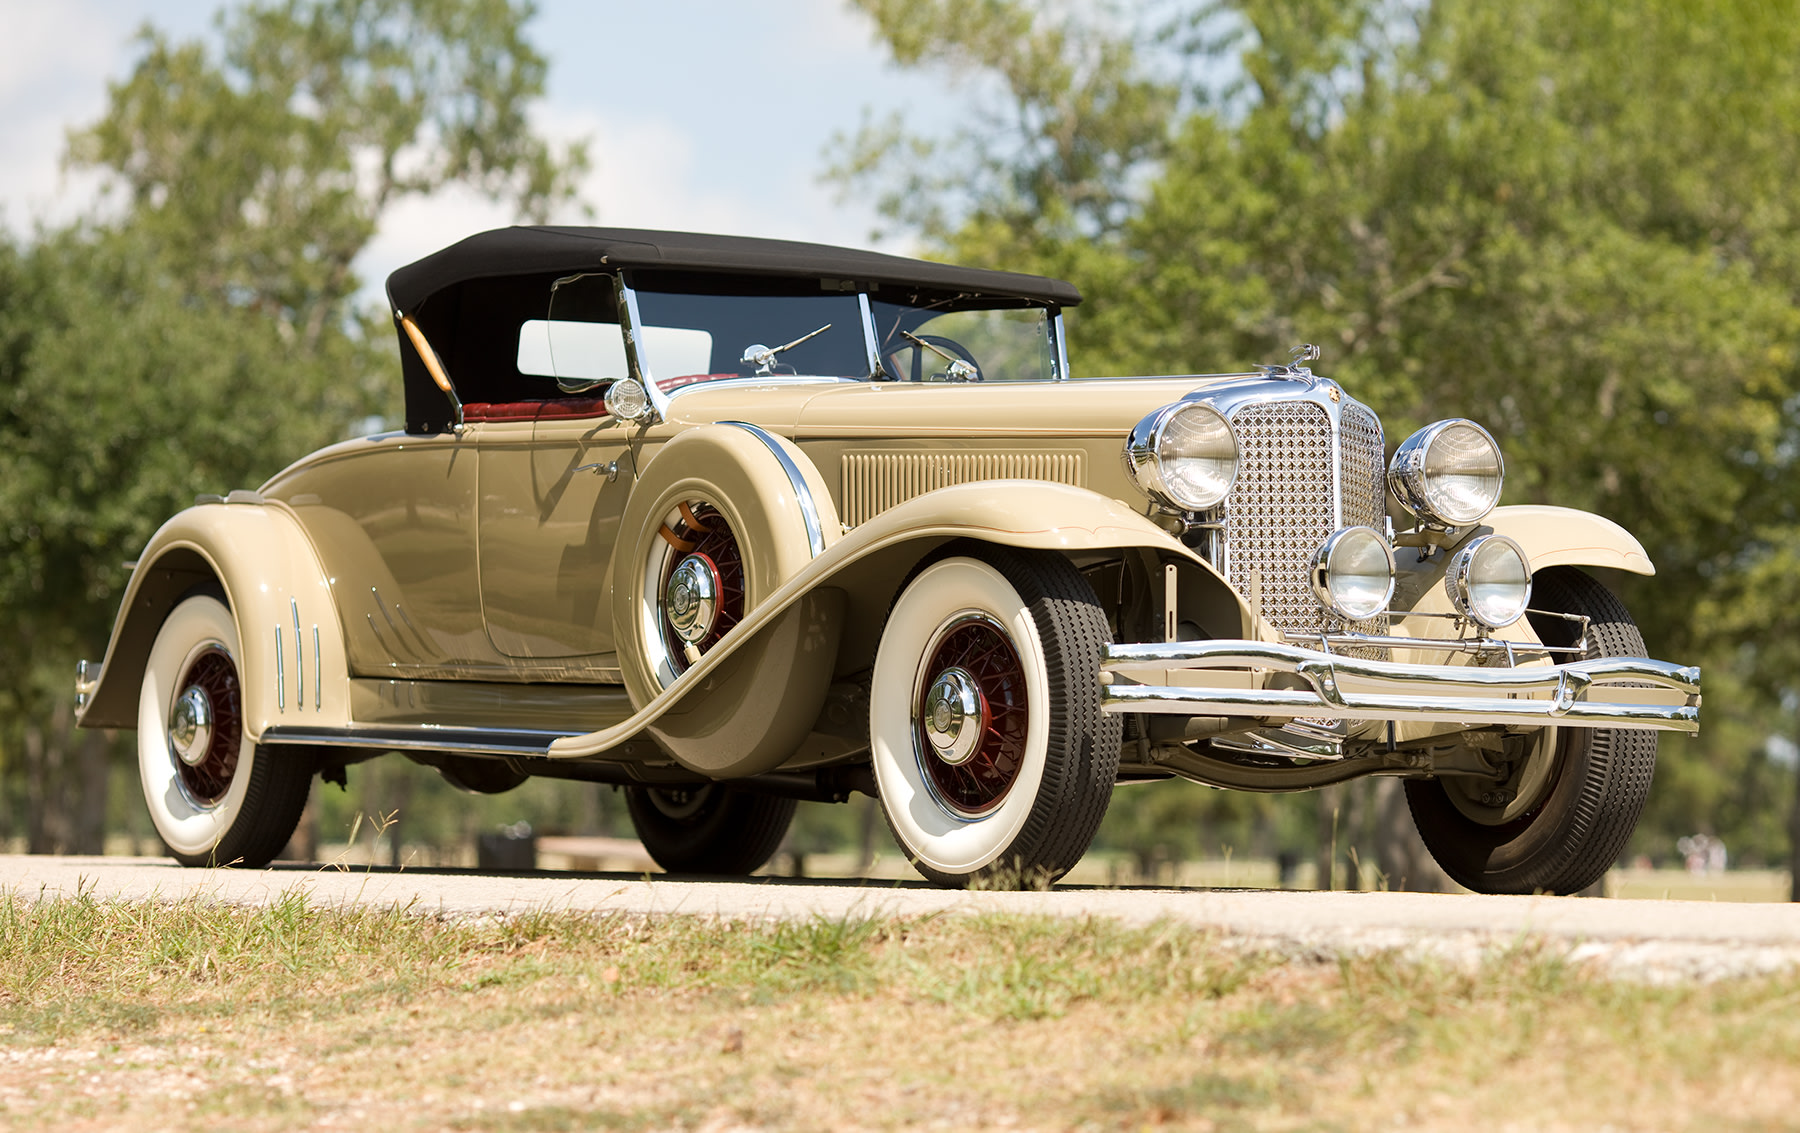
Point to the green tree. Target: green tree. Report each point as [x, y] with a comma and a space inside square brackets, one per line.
[202, 332]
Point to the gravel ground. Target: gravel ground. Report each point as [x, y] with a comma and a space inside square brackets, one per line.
[1657, 941]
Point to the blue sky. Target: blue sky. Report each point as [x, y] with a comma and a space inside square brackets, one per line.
[705, 115]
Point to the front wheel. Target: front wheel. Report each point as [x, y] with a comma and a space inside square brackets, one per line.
[215, 797]
[993, 759]
[1564, 815]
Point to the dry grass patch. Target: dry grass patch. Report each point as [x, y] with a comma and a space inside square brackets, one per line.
[204, 1016]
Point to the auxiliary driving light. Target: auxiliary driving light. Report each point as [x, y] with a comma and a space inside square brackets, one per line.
[1489, 580]
[1353, 573]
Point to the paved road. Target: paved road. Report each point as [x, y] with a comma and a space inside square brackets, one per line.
[1643, 939]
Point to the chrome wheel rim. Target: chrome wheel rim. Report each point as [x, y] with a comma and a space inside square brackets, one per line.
[205, 725]
[695, 588]
[969, 715]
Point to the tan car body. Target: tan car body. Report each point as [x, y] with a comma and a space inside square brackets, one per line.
[479, 580]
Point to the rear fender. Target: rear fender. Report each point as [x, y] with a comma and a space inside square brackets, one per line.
[275, 588]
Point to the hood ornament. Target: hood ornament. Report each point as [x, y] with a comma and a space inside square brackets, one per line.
[1295, 370]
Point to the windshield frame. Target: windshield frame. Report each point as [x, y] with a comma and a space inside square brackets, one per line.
[631, 322]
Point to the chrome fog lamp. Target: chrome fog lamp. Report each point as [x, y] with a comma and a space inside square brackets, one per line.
[1489, 580]
[1448, 473]
[1184, 455]
[1353, 573]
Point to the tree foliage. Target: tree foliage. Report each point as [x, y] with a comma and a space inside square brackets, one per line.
[1577, 223]
[200, 331]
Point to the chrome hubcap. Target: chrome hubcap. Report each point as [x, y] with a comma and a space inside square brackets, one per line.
[692, 598]
[955, 716]
[191, 726]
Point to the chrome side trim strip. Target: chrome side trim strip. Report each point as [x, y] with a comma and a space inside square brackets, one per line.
[280, 674]
[299, 660]
[318, 673]
[809, 509]
[421, 737]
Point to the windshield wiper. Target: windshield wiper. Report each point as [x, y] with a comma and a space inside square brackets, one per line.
[763, 357]
[959, 369]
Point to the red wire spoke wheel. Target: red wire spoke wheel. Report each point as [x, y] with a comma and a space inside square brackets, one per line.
[993, 760]
[206, 762]
[971, 715]
[703, 554]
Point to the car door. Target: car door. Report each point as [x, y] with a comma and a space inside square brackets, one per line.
[553, 487]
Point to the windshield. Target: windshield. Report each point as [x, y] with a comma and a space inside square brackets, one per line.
[746, 336]
[923, 344]
[695, 329]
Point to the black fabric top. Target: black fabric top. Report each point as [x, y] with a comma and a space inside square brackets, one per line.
[542, 250]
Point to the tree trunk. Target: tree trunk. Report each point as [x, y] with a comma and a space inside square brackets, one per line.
[1327, 803]
[1400, 854]
[92, 784]
[1794, 841]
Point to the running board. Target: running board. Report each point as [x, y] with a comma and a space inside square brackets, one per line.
[421, 737]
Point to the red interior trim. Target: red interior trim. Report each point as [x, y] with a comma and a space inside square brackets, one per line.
[534, 410]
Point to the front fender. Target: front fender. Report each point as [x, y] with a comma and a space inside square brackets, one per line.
[1562, 536]
[275, 587]
[863, 570]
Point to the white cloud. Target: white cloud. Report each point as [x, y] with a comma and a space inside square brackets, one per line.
[54, 60]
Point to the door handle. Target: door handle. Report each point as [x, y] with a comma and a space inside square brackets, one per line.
[608, 469]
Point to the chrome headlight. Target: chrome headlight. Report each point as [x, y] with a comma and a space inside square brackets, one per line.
[1448, 473]
[1489, 580]
[1184, 455]
[1353, 573]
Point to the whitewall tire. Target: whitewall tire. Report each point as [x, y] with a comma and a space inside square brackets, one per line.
[993, 760]
[215, 797]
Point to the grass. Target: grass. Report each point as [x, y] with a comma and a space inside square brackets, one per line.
[294, 1015]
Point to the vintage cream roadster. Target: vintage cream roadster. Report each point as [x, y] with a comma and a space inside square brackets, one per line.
[733, 522]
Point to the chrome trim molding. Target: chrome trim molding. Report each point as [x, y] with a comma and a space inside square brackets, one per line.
[629, 323]
[299, 660]
[1059, 354]
[871, 343]
[280, 674]
[318, 673]
[809, 508]
[1547, 695]
[421, 737]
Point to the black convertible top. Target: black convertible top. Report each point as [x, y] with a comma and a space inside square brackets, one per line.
[534, 250]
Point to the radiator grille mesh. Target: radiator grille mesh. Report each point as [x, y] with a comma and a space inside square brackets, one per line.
[1281, 508]
[876, 481]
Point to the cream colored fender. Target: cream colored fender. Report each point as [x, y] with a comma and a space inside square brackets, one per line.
[1562, 536]
[697, 718]
[275, 588]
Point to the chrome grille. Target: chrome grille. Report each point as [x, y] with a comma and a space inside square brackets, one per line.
[1280, 510]
[1282, 506]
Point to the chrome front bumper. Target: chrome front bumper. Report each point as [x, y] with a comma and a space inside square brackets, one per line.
[1234, 678]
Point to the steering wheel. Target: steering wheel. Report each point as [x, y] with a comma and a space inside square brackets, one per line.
[954, 361]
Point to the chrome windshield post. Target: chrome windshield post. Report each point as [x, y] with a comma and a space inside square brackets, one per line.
[871, 340]
[631, 323]
[1059, 349]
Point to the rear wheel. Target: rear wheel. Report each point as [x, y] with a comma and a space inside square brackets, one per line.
[708, 828]
[1564, 816]
[993, 759]
[215, 797]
